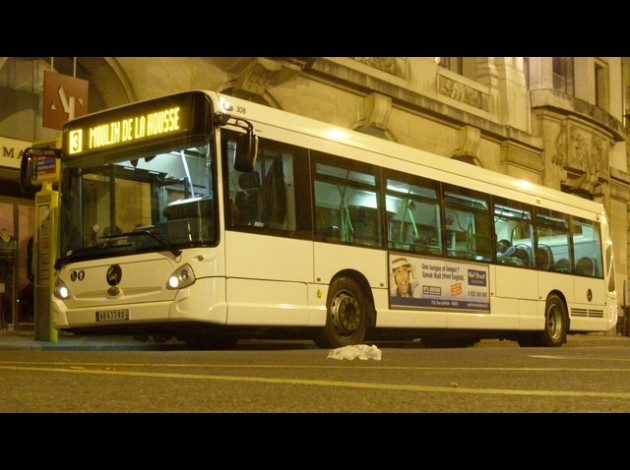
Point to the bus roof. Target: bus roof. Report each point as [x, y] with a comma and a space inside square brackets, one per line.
[311, 127]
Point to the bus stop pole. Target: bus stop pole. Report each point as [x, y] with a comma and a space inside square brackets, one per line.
[46, 219]
[625, 324]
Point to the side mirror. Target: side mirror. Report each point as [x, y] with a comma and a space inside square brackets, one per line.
[246, 142]
[26, 173]
[246, 152]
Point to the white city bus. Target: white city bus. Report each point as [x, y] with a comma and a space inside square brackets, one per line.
[209, 218]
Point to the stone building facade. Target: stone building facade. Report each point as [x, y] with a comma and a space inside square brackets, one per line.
[556, 121]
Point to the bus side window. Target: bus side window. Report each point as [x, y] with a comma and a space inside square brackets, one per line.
[326, 223]
[365, 224]
[552, 238]
[248, 203]
[513, 222]
[413, 214]
[544, 258]
[346, 201]
[563, 266]
[275, 197]
[274, 190]
[587, 247]
[522, 255]
[585, 266]
[468, 225]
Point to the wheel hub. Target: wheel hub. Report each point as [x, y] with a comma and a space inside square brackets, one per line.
[346, 313]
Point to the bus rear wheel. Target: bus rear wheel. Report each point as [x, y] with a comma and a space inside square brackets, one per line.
[556, 327]
[348, 314]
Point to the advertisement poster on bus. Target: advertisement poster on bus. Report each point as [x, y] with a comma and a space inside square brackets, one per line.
[438, 284]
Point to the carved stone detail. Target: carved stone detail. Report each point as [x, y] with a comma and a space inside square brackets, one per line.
[515, 154]
[582, 150]
[460, 92]
[619, 191]
[391, 65]
[560, 158]
[255, 77]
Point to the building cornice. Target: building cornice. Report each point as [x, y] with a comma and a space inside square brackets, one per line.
[328, 71]
[570, 105]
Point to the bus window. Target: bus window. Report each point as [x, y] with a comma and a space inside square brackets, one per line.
[513, 226]
[587, 247]
[346, 203]
[248, 200]
[467, 222]
[413, 215]
[106, 202]
[266, 198]
[552, 241]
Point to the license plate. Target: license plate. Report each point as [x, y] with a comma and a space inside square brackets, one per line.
[112, 315]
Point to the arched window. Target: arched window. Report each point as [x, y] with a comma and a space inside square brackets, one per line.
[21, 94]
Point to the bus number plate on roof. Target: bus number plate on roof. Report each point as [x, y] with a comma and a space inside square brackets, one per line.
[112, 315]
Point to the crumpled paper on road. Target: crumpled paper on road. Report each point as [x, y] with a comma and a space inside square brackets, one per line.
[360, 351]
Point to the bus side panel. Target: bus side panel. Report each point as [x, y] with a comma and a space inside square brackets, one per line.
[317, 305]
[410, 318]
[267, 279]
[264, 302]
[203, 301]
[514, 293]
[527, 310]
[593, 315]
[332, 258]
[504, 316]
[515, 283]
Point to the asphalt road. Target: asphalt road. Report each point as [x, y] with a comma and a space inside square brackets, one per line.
[298, 379]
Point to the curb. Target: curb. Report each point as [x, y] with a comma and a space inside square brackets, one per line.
[24, 340]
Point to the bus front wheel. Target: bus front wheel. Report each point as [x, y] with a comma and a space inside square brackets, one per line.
[348, 313]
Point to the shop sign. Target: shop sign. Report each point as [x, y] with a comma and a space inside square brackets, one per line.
[11, 151]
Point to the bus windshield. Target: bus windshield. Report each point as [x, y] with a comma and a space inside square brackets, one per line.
[162, 201]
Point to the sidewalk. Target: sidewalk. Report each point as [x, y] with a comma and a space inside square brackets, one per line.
[25, 340]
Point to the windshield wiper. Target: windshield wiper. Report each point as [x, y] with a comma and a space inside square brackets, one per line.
[87, 252]
[176, 252]
[75, 254]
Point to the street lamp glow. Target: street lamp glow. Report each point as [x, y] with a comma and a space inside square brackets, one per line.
[525, 184]
[337, 134]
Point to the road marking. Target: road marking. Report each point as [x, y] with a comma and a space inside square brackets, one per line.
[330, 383]
[363, 366]
[582, 358]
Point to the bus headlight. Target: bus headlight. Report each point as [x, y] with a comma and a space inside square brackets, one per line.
[61, 290]
[181, 277]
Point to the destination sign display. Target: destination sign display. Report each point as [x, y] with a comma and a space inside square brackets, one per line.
[132, 124]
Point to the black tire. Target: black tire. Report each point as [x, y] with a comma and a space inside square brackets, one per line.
[348, 316]
[556, 327]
